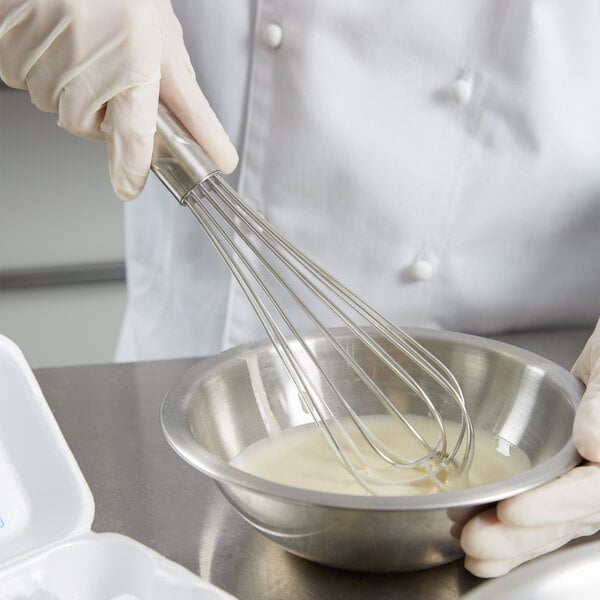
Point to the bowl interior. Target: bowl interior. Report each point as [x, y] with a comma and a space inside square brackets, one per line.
[230, 401]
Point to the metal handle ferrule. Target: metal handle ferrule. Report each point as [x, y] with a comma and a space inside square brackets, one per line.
[178, 160]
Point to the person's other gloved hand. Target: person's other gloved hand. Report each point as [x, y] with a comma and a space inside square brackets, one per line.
[545, 518]
[101, 67]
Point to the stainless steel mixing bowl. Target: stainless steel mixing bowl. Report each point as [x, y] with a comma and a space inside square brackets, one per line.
[236, 398]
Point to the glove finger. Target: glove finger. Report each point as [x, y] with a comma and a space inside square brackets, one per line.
[485, 537]
[129, 126]
[489, 568]
[179, 90]
[27, 31]
[589, 359]
[56, 42]
[79, 113]
[17, 37]
[586, 428]
[188, 103]
[574, 496]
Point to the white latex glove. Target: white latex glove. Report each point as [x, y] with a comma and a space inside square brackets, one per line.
[101, 66]
[548, 517]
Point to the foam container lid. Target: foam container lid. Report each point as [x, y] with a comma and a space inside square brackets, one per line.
[47, 548]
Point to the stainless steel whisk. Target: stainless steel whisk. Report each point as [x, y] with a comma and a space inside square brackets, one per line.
[272, 272]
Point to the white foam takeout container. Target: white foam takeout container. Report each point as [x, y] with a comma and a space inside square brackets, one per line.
[47, 548]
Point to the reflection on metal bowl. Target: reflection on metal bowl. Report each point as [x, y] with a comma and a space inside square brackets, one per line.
[229, 401]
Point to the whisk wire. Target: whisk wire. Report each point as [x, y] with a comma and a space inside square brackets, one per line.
[376, 349]
[304, 385]
[438, 457]
[415, 351]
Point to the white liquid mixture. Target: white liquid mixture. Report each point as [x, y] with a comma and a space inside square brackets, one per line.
[301, 457]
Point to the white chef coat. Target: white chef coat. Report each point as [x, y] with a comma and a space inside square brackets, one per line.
[442, 159]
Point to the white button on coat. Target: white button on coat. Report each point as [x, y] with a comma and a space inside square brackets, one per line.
[461, 89]
[272, 35]
[422, 270]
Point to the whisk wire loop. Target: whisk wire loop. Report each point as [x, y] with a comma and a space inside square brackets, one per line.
[340, 349]
[216, 206]
[307, 392]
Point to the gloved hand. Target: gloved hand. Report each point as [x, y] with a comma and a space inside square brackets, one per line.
[545, 518]
[101, 66]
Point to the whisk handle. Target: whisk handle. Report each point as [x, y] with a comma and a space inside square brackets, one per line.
[178, 160]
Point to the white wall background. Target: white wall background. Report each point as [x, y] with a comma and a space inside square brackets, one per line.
[57, 211]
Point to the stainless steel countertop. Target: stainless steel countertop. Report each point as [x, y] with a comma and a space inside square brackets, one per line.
[109, 415]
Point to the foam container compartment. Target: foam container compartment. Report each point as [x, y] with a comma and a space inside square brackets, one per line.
[47, 548]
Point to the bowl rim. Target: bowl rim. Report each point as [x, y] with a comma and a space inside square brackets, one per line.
[173, 418]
